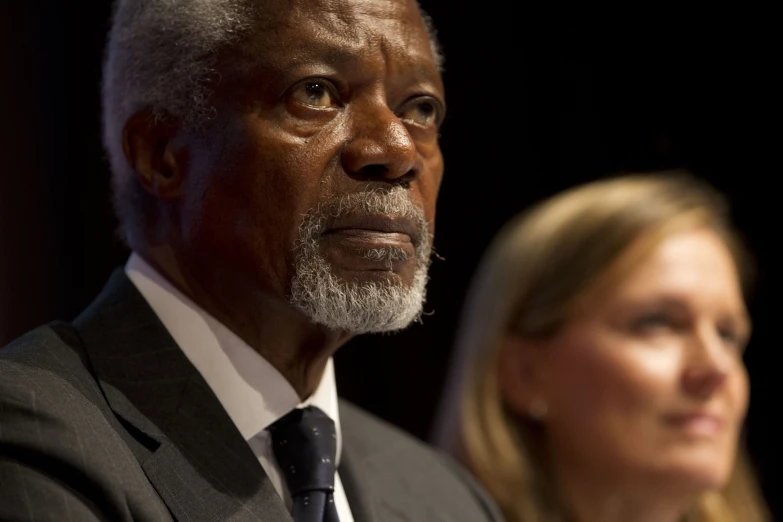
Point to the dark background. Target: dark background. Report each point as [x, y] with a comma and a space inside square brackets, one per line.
[535, 105]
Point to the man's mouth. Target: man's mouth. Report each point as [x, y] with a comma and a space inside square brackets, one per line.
[375, 229]
[372, 243]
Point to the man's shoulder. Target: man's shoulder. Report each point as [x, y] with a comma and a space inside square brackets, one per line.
[385, 454]
[46, 373]
[56, 428]
[42, 358]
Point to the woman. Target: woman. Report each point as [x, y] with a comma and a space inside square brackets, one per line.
[599, 372]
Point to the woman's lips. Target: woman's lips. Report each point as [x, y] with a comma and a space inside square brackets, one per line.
[698, 424]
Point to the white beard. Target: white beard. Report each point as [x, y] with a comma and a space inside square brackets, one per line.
[360, 307]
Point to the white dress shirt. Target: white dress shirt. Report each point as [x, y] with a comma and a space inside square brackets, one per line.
[252, 391]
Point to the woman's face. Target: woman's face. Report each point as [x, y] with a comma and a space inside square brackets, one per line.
[648, 384]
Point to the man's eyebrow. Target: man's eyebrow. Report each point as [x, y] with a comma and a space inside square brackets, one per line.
[336, 53]
[351, 53]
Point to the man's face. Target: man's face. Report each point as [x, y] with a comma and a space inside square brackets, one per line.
[320, 173]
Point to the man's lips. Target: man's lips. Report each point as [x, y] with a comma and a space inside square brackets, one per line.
[375, 228]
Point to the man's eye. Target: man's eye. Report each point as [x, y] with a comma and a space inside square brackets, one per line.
[314, 94]
[422, 113]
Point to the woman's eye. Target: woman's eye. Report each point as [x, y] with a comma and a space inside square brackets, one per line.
[315, 94]
[653, 322]
[423, 113]
[730, 338]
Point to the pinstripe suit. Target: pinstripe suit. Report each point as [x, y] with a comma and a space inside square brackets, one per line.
[106, 419]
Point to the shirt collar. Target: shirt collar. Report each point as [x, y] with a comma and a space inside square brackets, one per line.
[251, 390]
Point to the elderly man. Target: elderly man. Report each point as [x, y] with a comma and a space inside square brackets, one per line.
[275, 170]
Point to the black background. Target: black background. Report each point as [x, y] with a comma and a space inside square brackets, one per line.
[536, 104]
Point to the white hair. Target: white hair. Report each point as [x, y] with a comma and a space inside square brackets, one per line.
[161, 55]
[360, 307]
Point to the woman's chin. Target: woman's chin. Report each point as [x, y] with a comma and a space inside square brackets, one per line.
[696, 476]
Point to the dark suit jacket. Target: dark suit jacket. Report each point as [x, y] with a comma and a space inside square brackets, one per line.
[106, 419]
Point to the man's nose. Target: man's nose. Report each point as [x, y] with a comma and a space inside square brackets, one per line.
[380, 147]
[708, 364]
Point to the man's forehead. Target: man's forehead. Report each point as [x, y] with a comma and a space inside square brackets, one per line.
[343, 12]
[344, 17]
[340, 31]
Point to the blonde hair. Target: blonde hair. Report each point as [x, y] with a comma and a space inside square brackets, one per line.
[538, 269]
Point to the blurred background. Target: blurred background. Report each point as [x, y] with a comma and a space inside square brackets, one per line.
[535, 105]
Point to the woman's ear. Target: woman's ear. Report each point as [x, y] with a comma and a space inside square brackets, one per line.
[520, 372]
[149, 146]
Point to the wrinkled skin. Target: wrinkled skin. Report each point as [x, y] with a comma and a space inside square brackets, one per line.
[326, 98]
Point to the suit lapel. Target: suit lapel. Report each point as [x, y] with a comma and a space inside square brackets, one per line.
[185, 441]
[368, 504]
[359, 493]
[372, 471]
[371, 505]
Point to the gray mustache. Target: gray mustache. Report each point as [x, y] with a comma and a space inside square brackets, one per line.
[394, 202]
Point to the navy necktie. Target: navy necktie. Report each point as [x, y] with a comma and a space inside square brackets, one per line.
[305, 446]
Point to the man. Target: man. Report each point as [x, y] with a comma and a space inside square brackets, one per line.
[275, 170]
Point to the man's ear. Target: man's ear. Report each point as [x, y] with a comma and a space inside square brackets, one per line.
[151, 152]
[520, 372]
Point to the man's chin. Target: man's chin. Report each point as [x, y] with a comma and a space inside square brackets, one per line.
[358, 302]
[385, 278]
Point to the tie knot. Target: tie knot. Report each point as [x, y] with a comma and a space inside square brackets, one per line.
[305, 446]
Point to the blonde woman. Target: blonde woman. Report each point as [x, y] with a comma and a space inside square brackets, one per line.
[599, 373]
